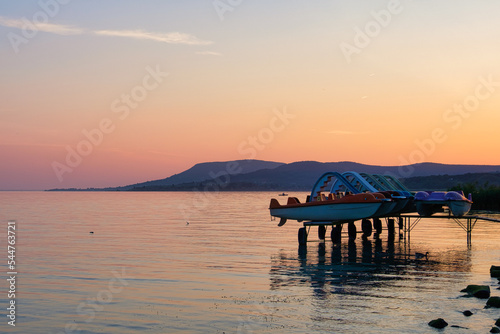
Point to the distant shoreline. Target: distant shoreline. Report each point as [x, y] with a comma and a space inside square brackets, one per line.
[432, 182]
[484, 187]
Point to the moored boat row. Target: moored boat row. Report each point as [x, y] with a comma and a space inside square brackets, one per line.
[352, 196]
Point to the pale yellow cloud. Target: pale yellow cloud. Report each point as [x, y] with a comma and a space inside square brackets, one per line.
[24, 23]
[171, 37]
[60, 29]
[209, 53]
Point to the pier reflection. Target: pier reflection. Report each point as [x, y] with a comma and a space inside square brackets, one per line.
[363, 264]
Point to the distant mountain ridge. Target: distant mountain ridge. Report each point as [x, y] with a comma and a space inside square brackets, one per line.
[442, 182]
[267, 175]
[302, 175]
[207, 170]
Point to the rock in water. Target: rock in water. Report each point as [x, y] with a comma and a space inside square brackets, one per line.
[493, 302]
[456, 326]
[495, 330]
[467, 313]
[495, 271]
[438, 323]
[478, 291]
[497, 323]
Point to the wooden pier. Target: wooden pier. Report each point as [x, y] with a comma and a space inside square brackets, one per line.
[405, 224]
[466, 222]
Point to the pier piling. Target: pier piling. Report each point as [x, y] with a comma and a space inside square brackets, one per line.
[406, 223]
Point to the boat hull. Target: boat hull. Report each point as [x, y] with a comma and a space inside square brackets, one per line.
[429, 208]
[328, 212]
[459, 208]
[385, 209]
[353, 207]
[430, 203]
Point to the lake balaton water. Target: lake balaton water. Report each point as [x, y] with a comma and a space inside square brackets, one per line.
[181, 262]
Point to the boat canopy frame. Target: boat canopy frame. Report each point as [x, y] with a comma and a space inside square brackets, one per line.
[325, 179]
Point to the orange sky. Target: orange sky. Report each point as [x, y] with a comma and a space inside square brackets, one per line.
[165, 86]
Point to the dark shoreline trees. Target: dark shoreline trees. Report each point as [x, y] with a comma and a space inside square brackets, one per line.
[485, 196]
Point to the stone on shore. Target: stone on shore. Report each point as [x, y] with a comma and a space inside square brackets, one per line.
[495, 330]
[438, 323]
[467, 313]
[478, 291]
[495, 271]
[493, 302]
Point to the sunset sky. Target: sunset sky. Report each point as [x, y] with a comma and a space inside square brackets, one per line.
[108, 93]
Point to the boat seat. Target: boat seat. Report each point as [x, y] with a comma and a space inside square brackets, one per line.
[274, 204]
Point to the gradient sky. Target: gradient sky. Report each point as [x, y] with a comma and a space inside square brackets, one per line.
[376, 82]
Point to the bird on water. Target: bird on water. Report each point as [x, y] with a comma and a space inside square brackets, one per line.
[419, 256]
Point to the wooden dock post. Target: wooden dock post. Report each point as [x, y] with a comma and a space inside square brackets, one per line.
[390, 226]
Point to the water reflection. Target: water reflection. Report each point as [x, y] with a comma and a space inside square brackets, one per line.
[367, 251]
[377, 284]
[366, 262]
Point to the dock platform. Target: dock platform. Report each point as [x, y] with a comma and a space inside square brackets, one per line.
[466, 222]
[404, 222]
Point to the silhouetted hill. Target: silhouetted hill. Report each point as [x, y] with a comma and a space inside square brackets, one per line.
[445, 182]
[302, 175]
[268, 175]
[207, 170]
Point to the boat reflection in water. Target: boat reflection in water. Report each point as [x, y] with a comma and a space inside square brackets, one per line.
[379, 284]
[360, 266]
[372, 286]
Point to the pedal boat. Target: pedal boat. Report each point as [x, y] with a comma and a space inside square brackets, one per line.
[430, 202]
[333, 208]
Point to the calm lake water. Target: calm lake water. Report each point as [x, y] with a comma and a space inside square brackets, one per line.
[230, 270]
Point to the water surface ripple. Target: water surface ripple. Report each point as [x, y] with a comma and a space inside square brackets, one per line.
[162, 262]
